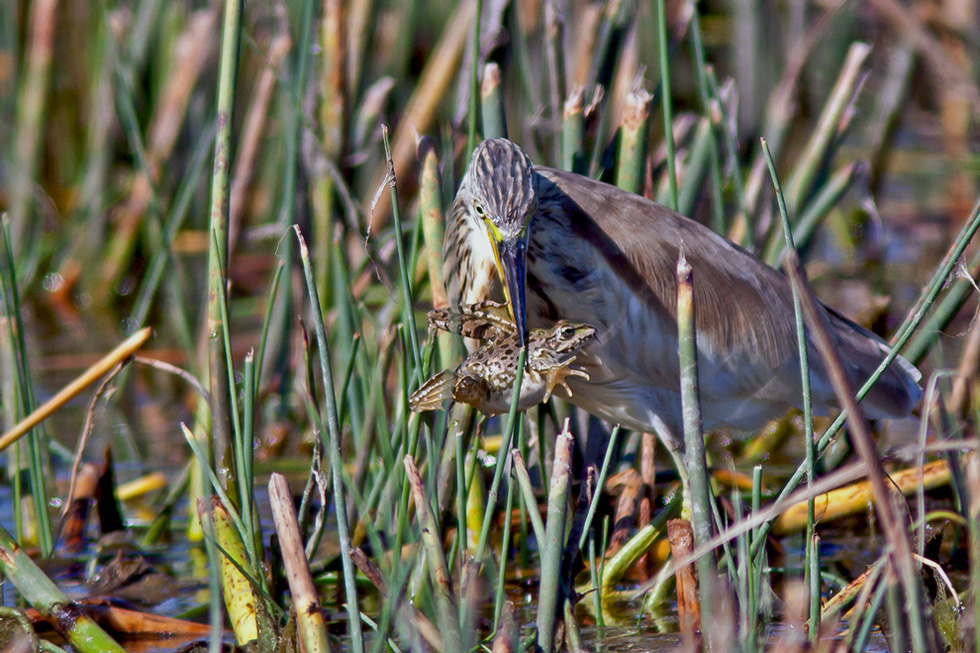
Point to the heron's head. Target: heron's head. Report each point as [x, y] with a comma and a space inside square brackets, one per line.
[501, 184]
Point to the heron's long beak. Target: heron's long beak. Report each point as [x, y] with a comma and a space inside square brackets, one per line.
[512, 267]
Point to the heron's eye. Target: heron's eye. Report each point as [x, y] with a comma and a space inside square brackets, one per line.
[479, 210]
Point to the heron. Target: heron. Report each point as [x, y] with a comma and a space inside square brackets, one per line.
[566, 247]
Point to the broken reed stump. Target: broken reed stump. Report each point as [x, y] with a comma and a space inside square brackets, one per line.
[680, 535]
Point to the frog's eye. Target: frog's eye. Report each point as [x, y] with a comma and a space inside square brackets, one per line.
[468, 386]
[566, 332]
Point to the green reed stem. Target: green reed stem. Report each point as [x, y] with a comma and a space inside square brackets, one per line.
[554, 542]
[407, 444]
[720, 118]
[826, 134]
[600, 483]
[694, 455]
[616, 19]
[197, 448]
[812, 559]
[700, 153]
[633, 137]
[826, 199]
[754, 563]
[461, 530]
[215, 613]
[473, 118]
[347, 377]
[226, 341]
[971, 506]
[500, 595]
[527, 491]
[613, 569]
[492, 103]
[333, 427]
[868, 620]
[245, 445]
[555, 56]
[700, 71]
[666, 99]
[331, 28]
[267, 320]
[436, 556]
[218, 223]
[396, 591]
[430, 204]
[573, 133]
[812, 576]
[594, 579]
[959, 291]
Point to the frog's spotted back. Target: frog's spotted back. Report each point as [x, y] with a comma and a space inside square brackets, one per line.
[486, 320]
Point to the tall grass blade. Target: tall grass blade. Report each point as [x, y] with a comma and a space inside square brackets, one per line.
[667, 103]
[472, 118]
[895, 533]
[408, 318]
[31, 106]
[334, 451]
[21, 391]
[812, 564]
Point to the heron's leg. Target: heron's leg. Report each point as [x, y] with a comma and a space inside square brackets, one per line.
[677, 455]
[676, 451]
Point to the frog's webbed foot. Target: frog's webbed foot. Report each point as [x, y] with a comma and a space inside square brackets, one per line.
[432, 393]
[556, 377]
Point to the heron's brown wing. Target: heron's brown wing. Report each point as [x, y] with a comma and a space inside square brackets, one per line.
[744, 308]
[641, 241]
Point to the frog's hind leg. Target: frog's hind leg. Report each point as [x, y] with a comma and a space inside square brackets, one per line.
[556, 377]
[433, 393]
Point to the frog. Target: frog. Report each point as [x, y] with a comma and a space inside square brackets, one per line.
[485, 379]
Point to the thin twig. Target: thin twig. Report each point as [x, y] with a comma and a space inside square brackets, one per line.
[86, 431]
